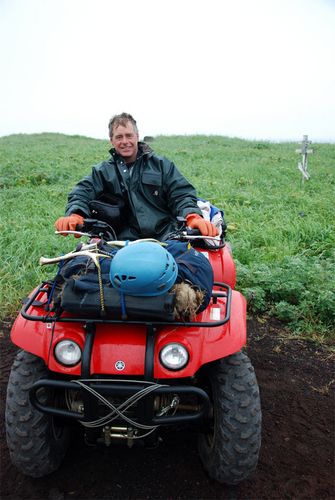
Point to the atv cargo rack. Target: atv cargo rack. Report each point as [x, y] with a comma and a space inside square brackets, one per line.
[51, 317]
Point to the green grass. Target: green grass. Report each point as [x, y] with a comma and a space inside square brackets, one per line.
[281, 230]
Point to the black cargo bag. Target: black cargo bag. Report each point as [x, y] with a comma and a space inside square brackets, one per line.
[80, 299]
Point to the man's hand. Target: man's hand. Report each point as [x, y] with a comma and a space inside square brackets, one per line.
[205, 227]
[69, 223]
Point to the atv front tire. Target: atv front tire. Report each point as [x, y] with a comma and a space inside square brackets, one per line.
[229, 449]
[37, 443]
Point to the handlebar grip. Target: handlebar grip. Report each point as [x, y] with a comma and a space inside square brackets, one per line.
[193, 232]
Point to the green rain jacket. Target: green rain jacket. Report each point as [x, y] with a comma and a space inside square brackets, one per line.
[154, 190]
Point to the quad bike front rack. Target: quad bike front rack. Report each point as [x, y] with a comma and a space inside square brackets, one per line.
[54, 317]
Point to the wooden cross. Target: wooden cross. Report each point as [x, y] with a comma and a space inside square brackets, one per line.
[304, 150]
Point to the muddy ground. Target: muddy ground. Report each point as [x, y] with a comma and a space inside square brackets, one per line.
[296, 380]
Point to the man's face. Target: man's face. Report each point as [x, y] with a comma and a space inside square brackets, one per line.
[125, 141]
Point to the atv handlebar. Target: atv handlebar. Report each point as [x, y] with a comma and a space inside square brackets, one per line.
[94, 228]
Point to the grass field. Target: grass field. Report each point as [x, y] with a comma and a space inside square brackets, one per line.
[281, 229]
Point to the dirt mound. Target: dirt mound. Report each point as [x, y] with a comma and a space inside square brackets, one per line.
[296, 380]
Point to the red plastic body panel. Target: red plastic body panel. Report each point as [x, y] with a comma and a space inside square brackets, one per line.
[120, 342]
[205, 344]
[223, 265]
[127, 342]
[33, 336]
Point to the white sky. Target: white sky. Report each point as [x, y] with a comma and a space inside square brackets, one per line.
[262, 69]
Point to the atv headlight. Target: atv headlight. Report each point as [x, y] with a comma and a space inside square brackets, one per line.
[68, 352]
[174, 356]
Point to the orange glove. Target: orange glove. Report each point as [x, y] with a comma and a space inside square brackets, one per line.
[205, 227]
[69, 223]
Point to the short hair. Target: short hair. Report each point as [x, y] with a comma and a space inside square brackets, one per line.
[121, 119]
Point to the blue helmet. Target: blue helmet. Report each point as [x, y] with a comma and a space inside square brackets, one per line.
[143, 269]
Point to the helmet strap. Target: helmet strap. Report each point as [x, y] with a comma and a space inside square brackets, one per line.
[123, 306]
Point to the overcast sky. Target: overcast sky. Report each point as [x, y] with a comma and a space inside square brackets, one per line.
[260, 69]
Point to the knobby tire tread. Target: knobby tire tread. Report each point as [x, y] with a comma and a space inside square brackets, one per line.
[32, 444]
[230, 451]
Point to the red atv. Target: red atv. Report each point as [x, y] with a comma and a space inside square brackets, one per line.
[123, 378]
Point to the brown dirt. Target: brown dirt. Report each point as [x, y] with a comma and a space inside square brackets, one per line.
[296, 380]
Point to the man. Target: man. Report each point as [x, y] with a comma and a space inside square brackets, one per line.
[150, 189]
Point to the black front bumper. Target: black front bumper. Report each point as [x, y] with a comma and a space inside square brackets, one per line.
[145, 412]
